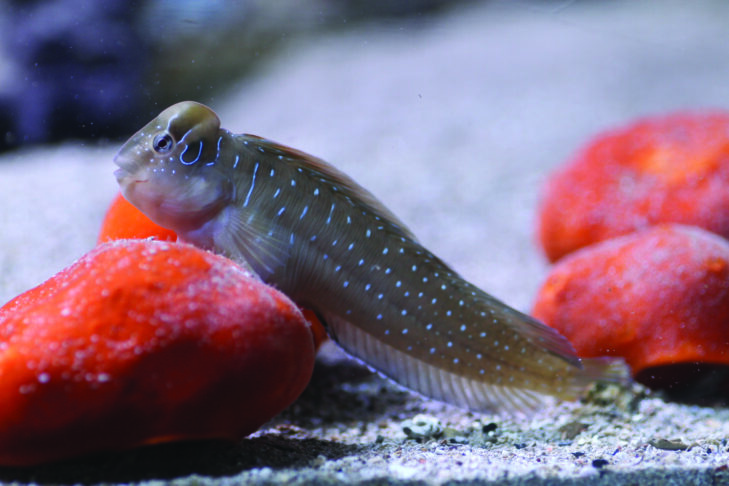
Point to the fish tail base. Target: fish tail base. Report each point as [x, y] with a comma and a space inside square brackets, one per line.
[605, 370]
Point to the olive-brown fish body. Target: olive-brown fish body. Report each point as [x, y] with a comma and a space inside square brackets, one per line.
[312, 232]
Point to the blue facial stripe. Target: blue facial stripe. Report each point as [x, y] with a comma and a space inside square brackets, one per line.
[199, 153]
[220, 139]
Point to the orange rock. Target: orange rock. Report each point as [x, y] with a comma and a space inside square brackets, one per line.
[141, 342]
[671, 169]
[317, 328]
[123, 220]
[659, 297]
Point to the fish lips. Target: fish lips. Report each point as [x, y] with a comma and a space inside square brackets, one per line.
[123, 176]
[126, 168]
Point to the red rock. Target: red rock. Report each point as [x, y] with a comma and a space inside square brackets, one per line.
[659, 297]
[142, 342]
[123, 220]
[669, 169]
[317, 328]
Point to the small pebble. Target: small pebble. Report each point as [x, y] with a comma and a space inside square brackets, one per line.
[489, 428]
[668, 445]
[571, 430]
[422, 427]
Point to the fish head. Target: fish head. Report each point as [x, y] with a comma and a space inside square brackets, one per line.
[168, 168]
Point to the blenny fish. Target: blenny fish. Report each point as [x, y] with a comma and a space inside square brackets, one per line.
[316, 235]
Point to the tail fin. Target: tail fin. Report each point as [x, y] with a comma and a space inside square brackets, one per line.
[605, 369]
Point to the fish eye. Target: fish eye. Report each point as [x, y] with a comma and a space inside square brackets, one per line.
[163, 143]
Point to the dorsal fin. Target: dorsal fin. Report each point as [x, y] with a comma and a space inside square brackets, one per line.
[332, 176]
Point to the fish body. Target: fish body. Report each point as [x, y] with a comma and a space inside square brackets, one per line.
[313, 233]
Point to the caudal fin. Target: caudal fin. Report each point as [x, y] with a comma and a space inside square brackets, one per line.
[605, 369]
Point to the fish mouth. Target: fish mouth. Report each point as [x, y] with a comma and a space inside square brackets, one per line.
[124, 177]
[127, 170]
[121, 174]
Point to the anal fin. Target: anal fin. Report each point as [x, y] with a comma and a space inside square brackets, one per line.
[430, 380]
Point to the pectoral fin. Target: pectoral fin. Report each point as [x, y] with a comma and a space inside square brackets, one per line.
[244, 239]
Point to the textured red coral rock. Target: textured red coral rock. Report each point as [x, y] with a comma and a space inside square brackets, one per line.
[670, 169]
[658, 297]
[317, 328]
[122, 220]
[141, 342]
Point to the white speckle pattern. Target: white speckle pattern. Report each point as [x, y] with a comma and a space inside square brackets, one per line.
[426, 326]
